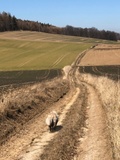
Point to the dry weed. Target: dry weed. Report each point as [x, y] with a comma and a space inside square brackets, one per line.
[109, 92]
[20, 105]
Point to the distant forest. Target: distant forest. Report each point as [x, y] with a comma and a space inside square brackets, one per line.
[11, 23]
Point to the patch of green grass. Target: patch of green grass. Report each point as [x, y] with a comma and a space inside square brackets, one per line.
[32, 55]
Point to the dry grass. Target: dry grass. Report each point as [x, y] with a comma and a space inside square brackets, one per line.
[109, 92]
[18, 106]
[29, 93]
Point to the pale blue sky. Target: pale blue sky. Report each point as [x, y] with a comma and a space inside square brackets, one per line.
[102, 14]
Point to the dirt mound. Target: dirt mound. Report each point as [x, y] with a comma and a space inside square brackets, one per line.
[21, 105]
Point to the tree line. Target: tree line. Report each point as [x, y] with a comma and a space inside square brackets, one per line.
[11, 23]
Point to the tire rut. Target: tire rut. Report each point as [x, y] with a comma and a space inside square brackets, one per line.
[35, 130]
[95, 144]
[37, 146]
[64, 144]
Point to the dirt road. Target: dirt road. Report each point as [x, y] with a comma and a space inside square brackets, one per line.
[95, 144]
[81, 133]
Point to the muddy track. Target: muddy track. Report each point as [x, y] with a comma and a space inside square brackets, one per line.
[81, 133]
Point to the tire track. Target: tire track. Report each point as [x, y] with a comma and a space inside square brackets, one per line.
[59, 60]
[34, 151]
[95, 145]
[63, 146]
[34, 126]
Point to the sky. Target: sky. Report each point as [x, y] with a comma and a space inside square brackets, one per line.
[101, 14]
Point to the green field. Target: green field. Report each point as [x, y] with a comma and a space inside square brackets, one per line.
[26, 50]
[24, 55]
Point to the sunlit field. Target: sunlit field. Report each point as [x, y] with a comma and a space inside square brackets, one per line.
[47, 37]
[24, 54]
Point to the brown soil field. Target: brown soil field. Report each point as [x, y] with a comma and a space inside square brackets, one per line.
[88, 126]
[102, 55]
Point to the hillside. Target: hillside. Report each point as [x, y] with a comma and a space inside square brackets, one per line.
[11, 23]
[30, 50]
